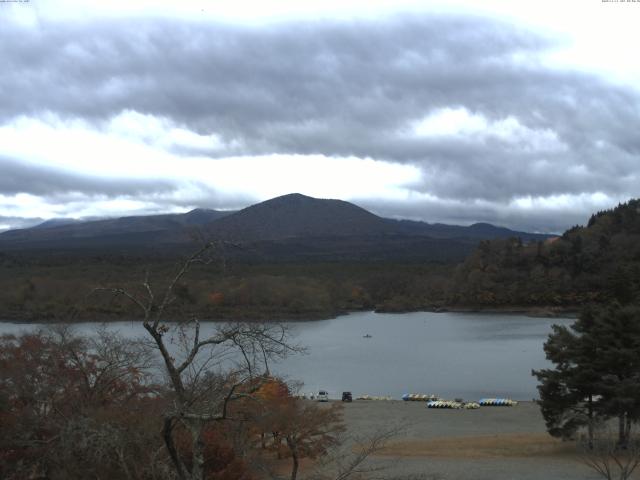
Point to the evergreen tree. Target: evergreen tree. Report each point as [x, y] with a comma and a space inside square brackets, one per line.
[596, 374]
[617, 329]
[568, 392]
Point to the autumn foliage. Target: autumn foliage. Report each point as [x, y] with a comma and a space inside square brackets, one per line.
[71, 407]
[74, 407]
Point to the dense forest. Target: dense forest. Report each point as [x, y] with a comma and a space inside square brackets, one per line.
[63, 289]
[594, 263]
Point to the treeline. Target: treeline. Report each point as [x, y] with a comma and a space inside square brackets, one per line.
[64, 289]
[596, 263]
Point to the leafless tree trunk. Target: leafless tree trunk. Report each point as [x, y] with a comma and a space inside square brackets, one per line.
[590, 421]
[293, 448]
[198, 399]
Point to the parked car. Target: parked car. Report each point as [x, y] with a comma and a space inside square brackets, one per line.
[323, 396]
[347, 397]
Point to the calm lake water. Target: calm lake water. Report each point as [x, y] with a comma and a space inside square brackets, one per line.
[447, 354]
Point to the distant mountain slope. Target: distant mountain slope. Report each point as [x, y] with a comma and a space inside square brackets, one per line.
[357, 248]
[597, 262]
[117, 227]
[477, 231]
[287, 228]
[297, 215]
[56, 222]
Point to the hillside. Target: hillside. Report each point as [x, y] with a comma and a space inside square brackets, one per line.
[596, 262]
[292, 227]
[132, 230]
[477, 231]
[297, 215]
[289, 257]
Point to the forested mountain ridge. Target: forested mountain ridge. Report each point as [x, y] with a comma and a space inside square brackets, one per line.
[289, 257]
[56, 230]
[592, 263]
[291, 227]
[296, 215]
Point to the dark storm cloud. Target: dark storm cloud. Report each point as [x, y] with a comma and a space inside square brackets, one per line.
[19, 177]
[293, 79]
[345, 88]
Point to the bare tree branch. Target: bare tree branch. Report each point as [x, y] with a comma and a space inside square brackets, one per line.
[199, 397]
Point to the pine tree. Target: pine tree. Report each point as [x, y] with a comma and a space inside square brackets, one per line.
[596, 374]
[617, 329]
[568, 392]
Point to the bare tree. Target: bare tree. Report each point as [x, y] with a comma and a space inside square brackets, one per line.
[608, 458]
[209, 372]
[351, 459]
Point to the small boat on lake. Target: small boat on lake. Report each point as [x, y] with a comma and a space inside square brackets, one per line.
[366, 336]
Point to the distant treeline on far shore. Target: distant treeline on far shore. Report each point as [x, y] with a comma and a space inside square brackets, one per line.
[595, 263]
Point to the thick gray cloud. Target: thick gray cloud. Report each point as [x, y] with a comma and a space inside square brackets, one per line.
[20, 177]
[69, 190]
[346, 88]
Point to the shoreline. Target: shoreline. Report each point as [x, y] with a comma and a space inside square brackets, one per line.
[532, 312]
[500, 443]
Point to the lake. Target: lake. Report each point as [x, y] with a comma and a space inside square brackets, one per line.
[466, 355]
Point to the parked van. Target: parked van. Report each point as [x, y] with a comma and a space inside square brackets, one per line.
[323, 396]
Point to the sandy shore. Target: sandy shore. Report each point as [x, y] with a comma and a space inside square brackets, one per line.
[492, 443]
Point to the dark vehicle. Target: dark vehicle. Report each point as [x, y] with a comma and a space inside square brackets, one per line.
[347, 397]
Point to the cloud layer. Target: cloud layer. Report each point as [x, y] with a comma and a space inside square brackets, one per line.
[493, 132]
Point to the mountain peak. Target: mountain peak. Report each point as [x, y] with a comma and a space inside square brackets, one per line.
[290, 198]
[294, 195]
[297, 215]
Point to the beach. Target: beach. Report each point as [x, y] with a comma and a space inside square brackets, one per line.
[490, 443]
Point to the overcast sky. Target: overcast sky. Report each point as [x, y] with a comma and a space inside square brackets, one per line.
[522, 114]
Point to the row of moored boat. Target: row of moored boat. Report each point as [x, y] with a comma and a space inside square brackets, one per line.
[433, 401]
